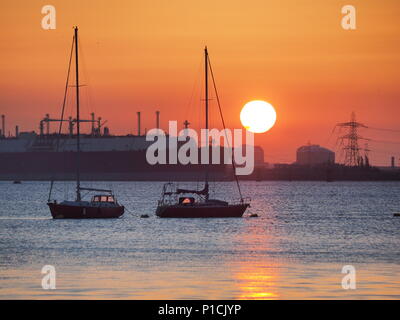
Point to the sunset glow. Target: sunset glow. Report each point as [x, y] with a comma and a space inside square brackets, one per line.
[145, 56]
[199, 154]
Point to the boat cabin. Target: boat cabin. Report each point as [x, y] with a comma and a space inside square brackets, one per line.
[103, 198]
[186, 201]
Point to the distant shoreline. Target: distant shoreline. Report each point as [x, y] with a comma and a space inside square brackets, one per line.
[281, 173]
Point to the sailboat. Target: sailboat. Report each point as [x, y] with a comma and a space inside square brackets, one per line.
[103, 204]
[187, 203]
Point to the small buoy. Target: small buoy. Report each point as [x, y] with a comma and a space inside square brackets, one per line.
[396, 214]
[144, 216]
[253, 215]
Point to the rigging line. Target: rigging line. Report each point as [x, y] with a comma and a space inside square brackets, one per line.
[87, 95]
[223, 123]
[195, 83]
[63, 110]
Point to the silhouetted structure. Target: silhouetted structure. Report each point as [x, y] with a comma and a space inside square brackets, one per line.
[349, 142]
[314, 154]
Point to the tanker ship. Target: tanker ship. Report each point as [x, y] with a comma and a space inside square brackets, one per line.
[36, 156]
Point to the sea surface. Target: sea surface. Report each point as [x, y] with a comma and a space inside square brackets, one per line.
[305, 234]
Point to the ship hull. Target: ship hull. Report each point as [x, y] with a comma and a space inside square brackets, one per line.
[62, 211]
[99, 166]
[181, 211]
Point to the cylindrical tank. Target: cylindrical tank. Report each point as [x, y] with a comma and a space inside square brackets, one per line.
[314, 154]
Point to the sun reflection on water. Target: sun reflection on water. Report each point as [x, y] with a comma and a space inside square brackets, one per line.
[257, 277]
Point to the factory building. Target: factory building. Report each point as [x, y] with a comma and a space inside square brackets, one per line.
[314, 154]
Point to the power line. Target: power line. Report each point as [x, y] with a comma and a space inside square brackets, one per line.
[385, 141]
[383, 129]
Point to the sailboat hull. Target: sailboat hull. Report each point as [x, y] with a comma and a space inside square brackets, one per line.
[182, 211]
[65, 211]
[186, 206]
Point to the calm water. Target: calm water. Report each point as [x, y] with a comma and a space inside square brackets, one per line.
[306, 232]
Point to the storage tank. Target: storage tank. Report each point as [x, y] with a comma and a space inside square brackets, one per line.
[314, 154]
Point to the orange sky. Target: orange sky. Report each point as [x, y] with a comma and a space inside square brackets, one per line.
[146, 56]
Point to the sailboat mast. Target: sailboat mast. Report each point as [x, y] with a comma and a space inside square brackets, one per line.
[78, 147]
[206, 83]
[206, 99]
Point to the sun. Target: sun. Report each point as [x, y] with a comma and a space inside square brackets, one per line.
[258, 116]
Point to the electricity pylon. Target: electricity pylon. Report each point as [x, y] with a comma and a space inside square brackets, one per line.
[349, 141]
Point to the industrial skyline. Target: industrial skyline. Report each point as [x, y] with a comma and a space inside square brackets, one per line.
[148, 59]
[348, 148]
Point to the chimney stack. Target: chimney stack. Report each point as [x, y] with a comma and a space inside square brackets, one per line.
[157, 119]
[138, 120]
[16, 131]
[99, 126]
[41, 127]
[70, 126]
[393, 164]
[48, 123]
[93, 121]
[3, 125]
